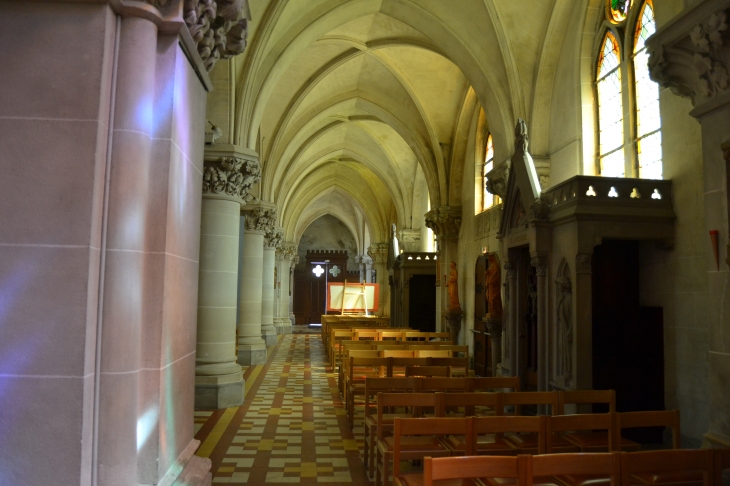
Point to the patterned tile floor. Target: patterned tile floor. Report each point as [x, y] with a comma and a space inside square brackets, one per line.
[292, 427]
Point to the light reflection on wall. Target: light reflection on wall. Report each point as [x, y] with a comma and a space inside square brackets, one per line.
[145, 426]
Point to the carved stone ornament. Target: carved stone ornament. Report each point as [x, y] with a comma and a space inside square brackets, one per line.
[693, 64]
[497, 180]
[409, 239]
[445, 221]
[231, 176]
[539, 210]
[378, 252]
[583, 263]
[510, 269]
[274, 238]
[216, 28]
[564, 368]
[261, 220]
[540, 264]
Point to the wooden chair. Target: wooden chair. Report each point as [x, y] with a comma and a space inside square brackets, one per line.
[529, 443]
[465, 470]
[432, 353]
[574, 469]
[384, 448]
[371, 423]
[386, 335]
[422, 346]
[396, 353]
[440, 384]
[367, 335]
[632, 420]
[429, 371]
[490, 433]
[491, 444]
[721, 462]
[418, 438]
[355, 383]
[439, 335]
[459, 366]
[674, 467]
[344, 372]
[578, 425]
[399, 364]
[596, 441]
[334, 345]
[415, 336]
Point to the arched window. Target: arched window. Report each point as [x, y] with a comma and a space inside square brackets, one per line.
[488, 199]
[648, 120]
[628, 149]
[610, 109]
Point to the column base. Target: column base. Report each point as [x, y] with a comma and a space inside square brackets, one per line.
[214, 396]
[249, 355]
[270, 339]
[283, 325]
[196, 473]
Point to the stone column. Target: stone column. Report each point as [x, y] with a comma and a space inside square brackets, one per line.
[361, 268]
[543, 340]
[379, 253]
[445, 222]
[691, 56]
[294, 262]
[272, 239]
[251, 347]
[226, 182]
[284, 256]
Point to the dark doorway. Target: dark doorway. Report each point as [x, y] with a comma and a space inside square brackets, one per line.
[422, 303]
[628, 340]
[482, 340]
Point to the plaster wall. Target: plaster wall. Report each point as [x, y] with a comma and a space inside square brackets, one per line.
[328, 233]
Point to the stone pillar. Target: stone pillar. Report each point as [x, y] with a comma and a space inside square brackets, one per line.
[361, 267]
[691, 56]
[272, 239]
[445, 222]
[379, 253]
[227, 179]
[284, 257]
[543, 339]
[251, 347]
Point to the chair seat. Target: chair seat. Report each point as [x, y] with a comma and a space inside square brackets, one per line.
[597, 440]
[539, 481]
[416, 479]
[412, 443]
[388, 418]
[684, 478]
[528, 442]
[486, 443]
[584, 480]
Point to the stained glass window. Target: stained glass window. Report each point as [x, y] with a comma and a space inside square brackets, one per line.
[619, 9]
[488, 199]
[610, 110]
[648, 121]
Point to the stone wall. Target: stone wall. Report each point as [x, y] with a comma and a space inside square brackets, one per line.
[328, 233]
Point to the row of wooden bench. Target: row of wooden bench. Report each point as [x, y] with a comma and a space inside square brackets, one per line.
[417, 438]
[702, 467]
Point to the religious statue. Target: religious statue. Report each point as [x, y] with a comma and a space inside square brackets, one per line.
[453, 287]
[565, 327]
[494, 287]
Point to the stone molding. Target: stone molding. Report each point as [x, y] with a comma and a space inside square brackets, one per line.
[445, 221]
[230, 178]
[690, 56]
[260, 220]
[497, 180]
[410, 239]
[378, 252]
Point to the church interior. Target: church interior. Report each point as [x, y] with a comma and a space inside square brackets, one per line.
[252, 216]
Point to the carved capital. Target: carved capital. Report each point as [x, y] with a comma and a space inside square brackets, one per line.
[691, 55]
[230, 177]
[260, 219]
[378, 252]
[445, 221]
[273, 238]
[497, 180]
[540, 264]
[583, 263]
[217, 28]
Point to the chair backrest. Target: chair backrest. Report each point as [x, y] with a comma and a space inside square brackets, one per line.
[444, 384]
[396, 353]
[471, 400]
[390, 335]
[375, 385]
[366, 334]
[590, 464]
[417, 401]
[519, 399]
[457, 351]
[427, 426]
[490, 383]
[463, 467]
[382, 347]
[428, 371]
[415, 336]
[383, 365]
[421, 346]
[503, 424]
[361, 353]
[673, 461]
[588, 421]
[432, 353]
[593, 397]
[722, 463]
[439, 335]
[458, 365]
[661, 418]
